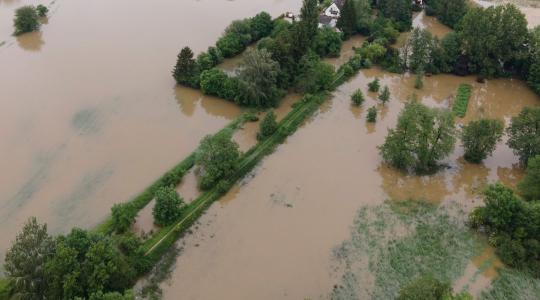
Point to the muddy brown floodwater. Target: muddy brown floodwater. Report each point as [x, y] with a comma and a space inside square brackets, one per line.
[272, 236]
[90, 113]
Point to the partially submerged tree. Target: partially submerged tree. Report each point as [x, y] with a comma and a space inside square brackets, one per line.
[26, 19]
[422, 137]
[185, 71]
[480, 138]
[524, 133]
[357, 97]
[216, 159]
[42, 10]
[374, 85]
[168, 206]
[384, 96]
[372, 114]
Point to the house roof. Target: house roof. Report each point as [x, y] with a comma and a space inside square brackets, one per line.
[325, 20]
[339, 3]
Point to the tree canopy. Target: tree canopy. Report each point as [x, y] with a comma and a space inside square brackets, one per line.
[26, 19]
[168, 206]
[524, 133]
[480, 138]
[216, 159]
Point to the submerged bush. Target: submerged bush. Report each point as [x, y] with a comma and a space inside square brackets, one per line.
[374, 85]
[357, 97]
[42, 10]
[372, 114]
[384, 96]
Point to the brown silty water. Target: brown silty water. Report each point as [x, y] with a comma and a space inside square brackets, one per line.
[271, 236]
[90, 113]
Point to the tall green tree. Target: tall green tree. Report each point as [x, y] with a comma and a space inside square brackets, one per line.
[26, 258]
[480, 138]
[347, 19]
[533, 75]
[529, 187]
[422, 137]
[185, 71]
[421, 52]
[216, 159]
[524, 133]
[259, 73]
[305, 30]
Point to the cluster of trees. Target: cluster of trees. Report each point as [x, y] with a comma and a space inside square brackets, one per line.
[490, 42]
[237, 36]
[27, 18]
[399, 11]
[513, 227]
[80, 265]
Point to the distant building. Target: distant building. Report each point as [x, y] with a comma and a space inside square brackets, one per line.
[328, 18]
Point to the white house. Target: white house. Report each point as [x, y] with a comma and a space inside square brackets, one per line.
[331, 14]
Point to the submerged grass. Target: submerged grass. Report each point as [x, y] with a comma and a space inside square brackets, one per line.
[395, 243]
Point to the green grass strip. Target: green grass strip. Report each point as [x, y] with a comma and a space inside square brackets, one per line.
[462, 100]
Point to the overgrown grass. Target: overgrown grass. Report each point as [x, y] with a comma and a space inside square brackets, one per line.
[462, 100]
[513, 284]
[4, 286]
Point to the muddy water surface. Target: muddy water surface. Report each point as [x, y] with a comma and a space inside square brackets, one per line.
[272, 237]
[90, 114]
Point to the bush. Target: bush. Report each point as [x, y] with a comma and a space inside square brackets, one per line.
[42, 10]
[213, 82]
[26, 20]
[216, 159]
[123, 216]
[316, 75]
[384, 96]
[357, 97]
[462, 100]
[529, 187]
[374, 85]
[480, 138]
[422, 137]
[372, 114]
[524, 133]
[268, 126]
[168, 207]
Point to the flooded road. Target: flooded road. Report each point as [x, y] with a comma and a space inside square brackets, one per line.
[90, 113]
[272, 236]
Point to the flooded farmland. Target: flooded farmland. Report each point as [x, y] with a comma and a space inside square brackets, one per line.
[273, 236]
[90, 113]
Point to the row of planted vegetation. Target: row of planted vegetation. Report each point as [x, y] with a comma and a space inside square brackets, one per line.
[104, 263]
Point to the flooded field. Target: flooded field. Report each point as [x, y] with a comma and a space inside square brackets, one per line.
[273, 235]
[90, 113]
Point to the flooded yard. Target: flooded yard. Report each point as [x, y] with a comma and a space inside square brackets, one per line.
[90, 113]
